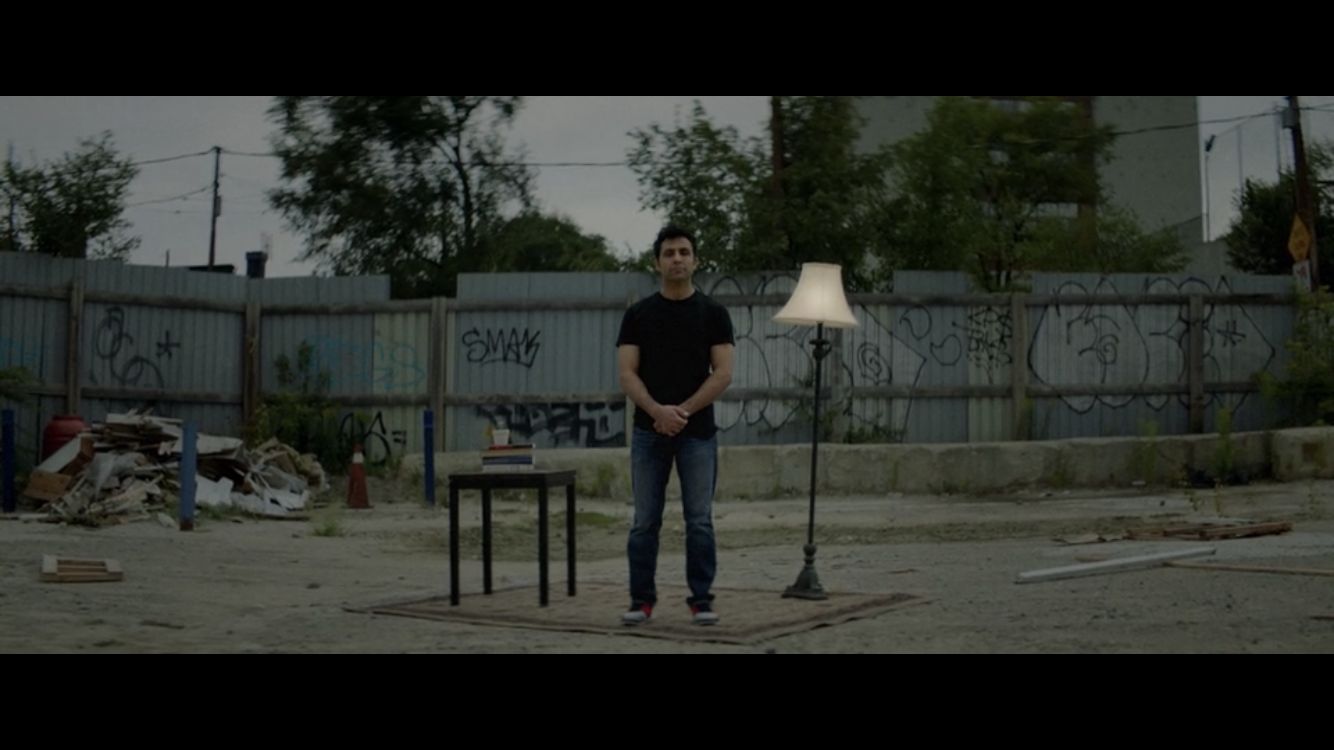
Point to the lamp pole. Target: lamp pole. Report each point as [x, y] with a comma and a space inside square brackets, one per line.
[808, 581]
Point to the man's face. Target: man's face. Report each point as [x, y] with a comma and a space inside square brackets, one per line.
[677, 261]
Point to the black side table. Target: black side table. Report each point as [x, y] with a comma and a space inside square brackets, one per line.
[542, 481]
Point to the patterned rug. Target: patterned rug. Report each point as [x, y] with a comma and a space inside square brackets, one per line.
[747, 615]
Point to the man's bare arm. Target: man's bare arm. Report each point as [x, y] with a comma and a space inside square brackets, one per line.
[721, 357]
[668, 420]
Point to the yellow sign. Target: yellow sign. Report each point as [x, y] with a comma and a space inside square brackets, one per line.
[1299, 242]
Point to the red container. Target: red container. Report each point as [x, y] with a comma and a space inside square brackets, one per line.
[60, 430]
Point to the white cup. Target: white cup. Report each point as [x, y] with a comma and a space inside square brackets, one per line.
[500, 437]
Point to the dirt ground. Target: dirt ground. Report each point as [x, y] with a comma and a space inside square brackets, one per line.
[242, 585]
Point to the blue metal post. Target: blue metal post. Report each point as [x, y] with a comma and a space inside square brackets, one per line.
[7, 458]
[188, 467]
[428, 432]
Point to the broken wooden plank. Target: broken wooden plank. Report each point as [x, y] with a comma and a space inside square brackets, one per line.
[1246, 530]
[205, 445]
[128, 418]
[1212, 531]
[284, 462]
[285, 517]
[1159, 532]
[46, 486]
[1091, 538]
[1253, 568]
[57, 569]
[1114, 565]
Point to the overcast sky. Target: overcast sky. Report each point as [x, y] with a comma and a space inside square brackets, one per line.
[602, 200]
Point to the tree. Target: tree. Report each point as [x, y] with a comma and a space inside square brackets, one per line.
[827, 200]
[71, 208]
[1307, 386]
[538, 242]
[414, 187]
[1119, 245]
[1002, 190]
[14, 384]
[1257, 242]
[701, 177]
[805, 195]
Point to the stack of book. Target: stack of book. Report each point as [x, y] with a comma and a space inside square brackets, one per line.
[517, 457]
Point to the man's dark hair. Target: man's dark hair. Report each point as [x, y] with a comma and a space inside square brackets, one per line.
[671, 232]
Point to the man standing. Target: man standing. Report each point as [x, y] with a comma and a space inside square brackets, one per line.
[674, 355]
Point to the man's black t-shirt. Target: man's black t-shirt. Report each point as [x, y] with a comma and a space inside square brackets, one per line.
[674, 338]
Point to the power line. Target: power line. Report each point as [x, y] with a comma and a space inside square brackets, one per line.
[246, 153]
[479, 163]
[168, 200]
[551, 164]
[177, 211]
[241, 197]
[596, 164]
[168, 158]
[1117, 133]
[249, 211]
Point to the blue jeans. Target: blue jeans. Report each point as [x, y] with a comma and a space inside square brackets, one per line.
[651, 457]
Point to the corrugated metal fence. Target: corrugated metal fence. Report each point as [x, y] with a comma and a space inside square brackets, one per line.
[534, 352]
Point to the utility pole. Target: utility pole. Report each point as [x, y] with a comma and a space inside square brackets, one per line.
[217, 206]
[1208, 226]
[778, 160]
[13, 208]
[1305, 199]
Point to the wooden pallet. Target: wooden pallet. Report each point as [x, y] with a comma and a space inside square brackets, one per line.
[76, 570]
[1213, 531]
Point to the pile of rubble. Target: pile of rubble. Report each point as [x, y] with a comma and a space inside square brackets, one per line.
[131, 463]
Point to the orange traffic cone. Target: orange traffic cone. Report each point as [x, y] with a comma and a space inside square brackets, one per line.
[356, 480]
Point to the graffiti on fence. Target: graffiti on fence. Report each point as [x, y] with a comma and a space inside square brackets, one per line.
[586, 425]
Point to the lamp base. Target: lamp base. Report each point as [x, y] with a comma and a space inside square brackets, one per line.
[808, 581]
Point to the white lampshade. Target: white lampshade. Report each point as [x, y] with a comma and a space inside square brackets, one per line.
[818, 298]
